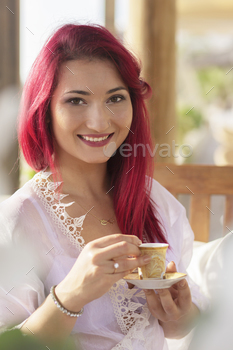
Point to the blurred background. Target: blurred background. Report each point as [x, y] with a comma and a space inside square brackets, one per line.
[186, 49]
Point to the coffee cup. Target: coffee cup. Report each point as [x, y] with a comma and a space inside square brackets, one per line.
[156, 267]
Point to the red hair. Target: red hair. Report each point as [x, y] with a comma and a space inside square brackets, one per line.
[135, 211]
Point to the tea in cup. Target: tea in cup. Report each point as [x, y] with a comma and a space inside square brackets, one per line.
[156, 267]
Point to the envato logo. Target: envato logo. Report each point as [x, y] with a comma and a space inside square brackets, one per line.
[164, 150]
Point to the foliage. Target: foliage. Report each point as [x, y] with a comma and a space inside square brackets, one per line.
[16, 340]
[216, 77]
[188, 121]
[215, 88]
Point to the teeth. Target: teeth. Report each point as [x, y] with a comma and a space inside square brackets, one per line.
[95, 139]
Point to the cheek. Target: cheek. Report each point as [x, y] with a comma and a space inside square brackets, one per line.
[130, 113]
[125, 117]
[61, 120]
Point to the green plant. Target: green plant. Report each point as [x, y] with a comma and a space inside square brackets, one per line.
[16, 340]
[216, 86]
[189, 118]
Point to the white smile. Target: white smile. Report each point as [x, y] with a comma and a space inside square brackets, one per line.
[94, 139]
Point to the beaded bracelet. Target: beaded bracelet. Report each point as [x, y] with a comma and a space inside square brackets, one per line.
[60, 307]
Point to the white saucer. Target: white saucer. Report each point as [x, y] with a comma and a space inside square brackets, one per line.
[161, 283]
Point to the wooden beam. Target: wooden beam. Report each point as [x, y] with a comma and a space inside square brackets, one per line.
[9, 85]
[110, 16]
[200, 182]
[152, 36]
[9, 43]
[228, 217]
[198, 179]
[200, 217]
[205, 9]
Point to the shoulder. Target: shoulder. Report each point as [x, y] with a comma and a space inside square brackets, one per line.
[14, 203]
[25, 198]
[16, 211]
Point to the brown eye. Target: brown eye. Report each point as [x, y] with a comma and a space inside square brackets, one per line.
[76, 101]
[117, 98]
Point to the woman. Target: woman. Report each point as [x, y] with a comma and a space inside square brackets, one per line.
[88, 208]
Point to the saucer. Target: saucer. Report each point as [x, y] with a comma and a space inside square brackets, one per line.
[161, 283]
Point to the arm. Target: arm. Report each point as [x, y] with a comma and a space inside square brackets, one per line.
[91, 276]
[49, 324]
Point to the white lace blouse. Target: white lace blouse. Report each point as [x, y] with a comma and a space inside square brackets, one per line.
[40, 242]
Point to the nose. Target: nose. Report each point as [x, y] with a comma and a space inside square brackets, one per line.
[98, 118]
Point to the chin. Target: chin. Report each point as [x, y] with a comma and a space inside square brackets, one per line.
[96, 161]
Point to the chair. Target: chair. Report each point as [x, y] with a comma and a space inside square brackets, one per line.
[200, 181]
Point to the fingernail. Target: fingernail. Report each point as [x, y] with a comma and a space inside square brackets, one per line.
[158, 291]
[182, 283]
[146, 258]
[146, 291]
[139, 242]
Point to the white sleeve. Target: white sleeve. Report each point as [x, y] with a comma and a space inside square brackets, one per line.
[21, 288]
[198, 298]
[17, 304]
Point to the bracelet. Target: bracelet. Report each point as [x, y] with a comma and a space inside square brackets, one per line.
[60, 307]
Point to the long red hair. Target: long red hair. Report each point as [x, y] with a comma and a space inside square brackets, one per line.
[135, 212]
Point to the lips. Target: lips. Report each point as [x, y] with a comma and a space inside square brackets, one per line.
[96, 143]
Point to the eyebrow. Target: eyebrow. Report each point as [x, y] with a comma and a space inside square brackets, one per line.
[116, 89]
[82, 92]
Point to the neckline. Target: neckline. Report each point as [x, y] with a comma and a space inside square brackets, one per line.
[111, 220]
[46, 191]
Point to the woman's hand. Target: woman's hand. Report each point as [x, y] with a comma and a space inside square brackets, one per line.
[173, 307]
[94, 273]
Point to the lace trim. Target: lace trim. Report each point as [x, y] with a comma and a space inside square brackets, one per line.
[71, 227]
[131, 314]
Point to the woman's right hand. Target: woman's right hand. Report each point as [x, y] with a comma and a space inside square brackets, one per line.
[94, 273]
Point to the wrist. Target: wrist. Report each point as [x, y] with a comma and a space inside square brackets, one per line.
[68, 299]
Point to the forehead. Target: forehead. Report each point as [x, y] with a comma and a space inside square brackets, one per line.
[81, 73]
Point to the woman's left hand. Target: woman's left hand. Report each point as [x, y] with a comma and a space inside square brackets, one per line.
[173, 307]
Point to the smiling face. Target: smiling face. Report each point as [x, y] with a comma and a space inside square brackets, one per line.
[90, 108]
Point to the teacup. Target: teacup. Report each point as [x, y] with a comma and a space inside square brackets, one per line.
[156, 267]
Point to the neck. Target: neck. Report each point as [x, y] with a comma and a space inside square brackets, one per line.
[85, 180]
